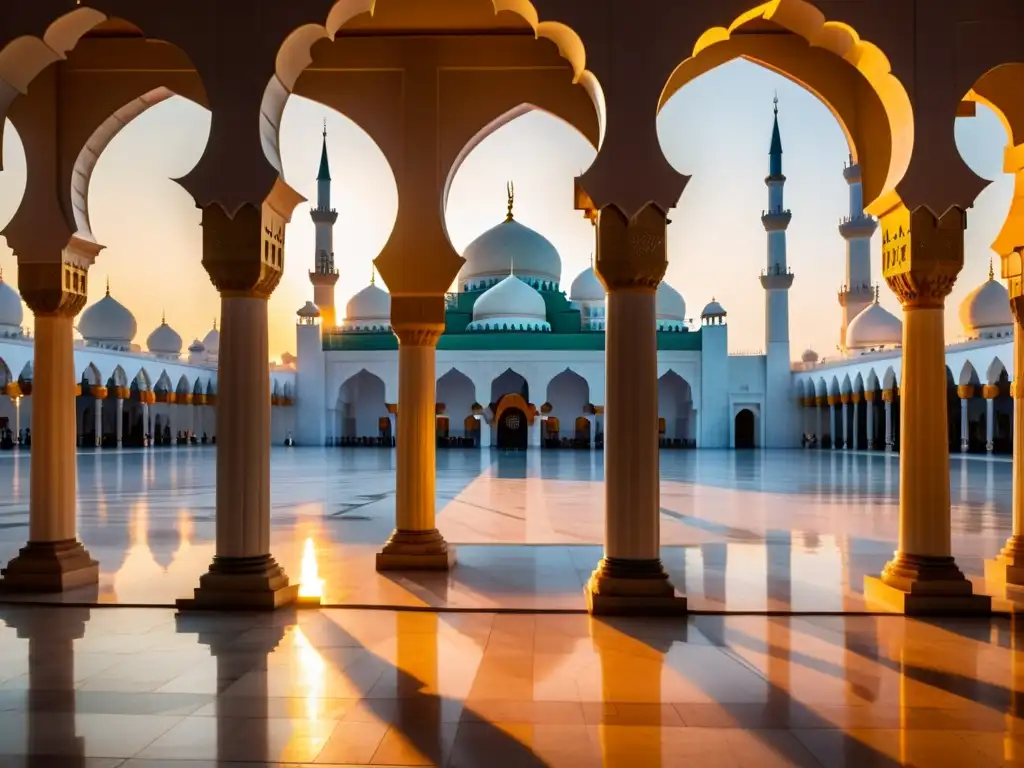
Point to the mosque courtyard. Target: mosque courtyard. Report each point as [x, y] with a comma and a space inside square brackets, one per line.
[515, 673]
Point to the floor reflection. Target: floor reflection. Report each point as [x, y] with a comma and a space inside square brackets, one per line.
[98, 687]
[748, 531]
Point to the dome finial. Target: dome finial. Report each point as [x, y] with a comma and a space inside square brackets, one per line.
[991, 272]
[510, 188]
[108, 285]
[878, 290]
[373, 273]
[215, 323]
[591, 259]
[163, 317]
[775, 102]
[325, 128]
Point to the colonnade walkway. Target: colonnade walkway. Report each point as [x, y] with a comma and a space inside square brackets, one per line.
[740, 531]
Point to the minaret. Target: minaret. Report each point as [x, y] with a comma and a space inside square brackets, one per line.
[776, 281]
[857, 229]
[324, 276]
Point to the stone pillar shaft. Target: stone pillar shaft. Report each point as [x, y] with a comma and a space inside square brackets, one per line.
[870, 423]
[98, 421]
[118, 428]
[990, 424]
[832, 425]
[846, 427]
[964, 426]
[888, 426]
[631, 480]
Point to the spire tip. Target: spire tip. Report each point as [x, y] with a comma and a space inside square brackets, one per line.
[510, 188]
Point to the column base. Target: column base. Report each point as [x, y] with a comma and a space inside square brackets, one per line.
[242, 584]
[416, 551]
[620, 587]
[1007, 568]
[919, 585]
[50, 566]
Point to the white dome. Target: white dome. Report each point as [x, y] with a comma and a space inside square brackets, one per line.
[211, 341]
[196, 346]
[309, 309]
[875, 326]
[510, 303]
[11, 313]
[986, 308]
[809, 356]
[164, 340]
[670, 308]
[108, 323]
[713, 309]
[369, 308]
[507, 248]
[587, 287]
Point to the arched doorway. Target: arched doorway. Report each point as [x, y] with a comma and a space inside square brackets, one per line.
[744, 429]
[512, 429]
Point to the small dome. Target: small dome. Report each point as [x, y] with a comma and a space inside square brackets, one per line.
[369, 308]
[670, 308]
[164, 340]
[11, 312]
[875, 326]
[108, 323]
[211, 341]
[196, 347]
[587, 287]
[714, 309]
[809, 356]
[986, 310]
[510, 303]
[309, 309]
[509, 248]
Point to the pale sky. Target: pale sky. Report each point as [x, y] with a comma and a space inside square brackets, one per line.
[716, 129]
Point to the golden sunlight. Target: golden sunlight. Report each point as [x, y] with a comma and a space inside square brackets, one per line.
[311, 585]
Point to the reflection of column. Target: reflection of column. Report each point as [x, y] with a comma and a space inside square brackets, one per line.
[53, 559]
[818, 403]
[485, 432]
[631, 262]
[965, 393]
[887, 397]
[534, 432]
[145, 420]
[869, 404]
[832, 421]
[332, 420]
[855, 399]
[243, 255]
[416, 543]
[120, 420]
[845, 401]
[17, 416]
[923, 577]
[990, 392]
[1008, 566]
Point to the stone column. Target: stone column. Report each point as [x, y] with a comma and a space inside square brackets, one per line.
[119, 427]
[832, 421]
[53, 559]
[965, 392]
[244, 256]
[99, 394]
[869, 420]
[990, 392]
[855, 399]
[145, 420]
[887, 398]
[845, 401]
[1008, 566]
[416, 544]
[819, 401]
[922, 256]
[631, 261]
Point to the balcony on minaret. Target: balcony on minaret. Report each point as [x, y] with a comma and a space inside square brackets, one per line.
[325, 273]
[776, 278]
[323, 215]
[851, 172]
[856, 293]
[861, 225]
[776, 220]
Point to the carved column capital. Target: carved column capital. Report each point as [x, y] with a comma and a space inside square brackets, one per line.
[423, 336]
[631, 252]
[418, 321]
[243, 251]
[922, 254]
[58, 286]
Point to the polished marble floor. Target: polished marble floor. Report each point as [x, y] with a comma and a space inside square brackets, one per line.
[742, 531]
[144, 688]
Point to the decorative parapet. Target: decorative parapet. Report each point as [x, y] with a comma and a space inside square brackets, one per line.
[851, 227]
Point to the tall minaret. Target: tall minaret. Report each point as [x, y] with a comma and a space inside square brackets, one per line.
[776, 281]
[324, 276]
[857, 229]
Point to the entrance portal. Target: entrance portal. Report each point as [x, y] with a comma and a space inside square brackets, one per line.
[512, 430]
[744, 427]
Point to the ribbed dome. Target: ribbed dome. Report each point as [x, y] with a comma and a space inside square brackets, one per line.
[211, 341]
[875, 326]
[510, 247]
[809, 356]
[986, 309]
[510, 303]
[309, 309]
[11, 313]
[587, 287]
[370, 308]
[670, 308]
[164, 340]
[108, 323]
[713, 309]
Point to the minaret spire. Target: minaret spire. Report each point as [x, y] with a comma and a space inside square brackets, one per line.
[991, 271]
[325, 167]
[775, 150]
[108, 285]
[510, 188]
[324, 276]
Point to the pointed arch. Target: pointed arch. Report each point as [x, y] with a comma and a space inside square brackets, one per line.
[889, 379]
[968, 375]
[846, 387]
[821, 388]
[182, 387]
[833, 387]
[995, 370]
[163, 383]
[858, 383]
[142, 380]
[91, 375]
[5, 373]
[118, 377]
[872, 381]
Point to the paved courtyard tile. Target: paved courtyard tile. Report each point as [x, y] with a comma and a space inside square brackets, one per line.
[741, 531]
